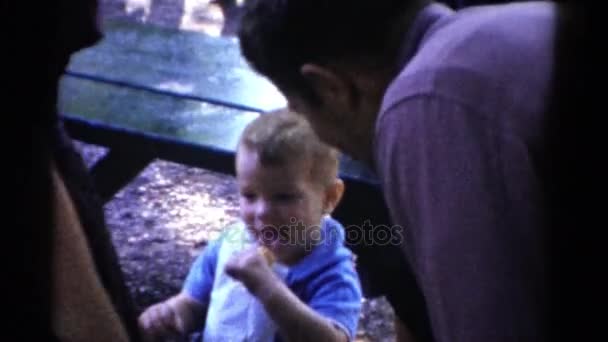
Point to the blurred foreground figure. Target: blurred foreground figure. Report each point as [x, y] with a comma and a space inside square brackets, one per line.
[64, 281]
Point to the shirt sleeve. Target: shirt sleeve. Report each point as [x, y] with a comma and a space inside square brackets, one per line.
[338, 297]
[199, 282]
[465, 190]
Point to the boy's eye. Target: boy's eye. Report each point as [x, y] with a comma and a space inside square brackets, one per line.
[248, 195]
[285, 197]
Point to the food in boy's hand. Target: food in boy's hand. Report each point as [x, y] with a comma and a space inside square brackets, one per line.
[267, 254]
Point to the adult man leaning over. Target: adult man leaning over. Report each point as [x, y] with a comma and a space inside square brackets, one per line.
[451, 109]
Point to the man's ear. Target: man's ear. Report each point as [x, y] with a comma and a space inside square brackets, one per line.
[330, 86]
[333, 195]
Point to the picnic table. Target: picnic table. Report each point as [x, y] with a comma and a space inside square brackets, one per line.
[149, 93]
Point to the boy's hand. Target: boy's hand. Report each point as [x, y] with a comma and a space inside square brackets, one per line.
[251, 268]
[159, 322]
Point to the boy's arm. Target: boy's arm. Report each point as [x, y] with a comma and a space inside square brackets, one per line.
[184, 312]
[178, 315]
[188, 312]
[296, 320]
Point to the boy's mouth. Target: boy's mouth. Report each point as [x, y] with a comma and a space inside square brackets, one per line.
[268, 236]
[272, 237]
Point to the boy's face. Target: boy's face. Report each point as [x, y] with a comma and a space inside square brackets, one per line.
[280, 204]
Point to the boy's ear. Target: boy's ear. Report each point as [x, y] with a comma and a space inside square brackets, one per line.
[328, 85]
[333, 195]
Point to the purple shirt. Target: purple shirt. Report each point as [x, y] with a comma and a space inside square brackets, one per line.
[457, 147]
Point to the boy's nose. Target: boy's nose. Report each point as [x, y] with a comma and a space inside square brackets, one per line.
[262, 210]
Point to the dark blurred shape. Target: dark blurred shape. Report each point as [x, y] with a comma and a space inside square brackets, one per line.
[37, 147]
[574, 177]
[232, 16]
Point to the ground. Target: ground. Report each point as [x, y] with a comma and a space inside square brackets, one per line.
[165, 216]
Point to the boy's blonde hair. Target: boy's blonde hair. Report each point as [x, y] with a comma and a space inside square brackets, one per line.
[282, 136]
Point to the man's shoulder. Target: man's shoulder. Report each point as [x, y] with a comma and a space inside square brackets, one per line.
[479, 49]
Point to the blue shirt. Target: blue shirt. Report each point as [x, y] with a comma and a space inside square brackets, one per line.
[325, 280]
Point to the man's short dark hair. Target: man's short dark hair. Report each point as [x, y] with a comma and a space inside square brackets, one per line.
[278, 36]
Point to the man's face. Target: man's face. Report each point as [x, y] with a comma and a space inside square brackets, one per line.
[325, 122]
[344, 116]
